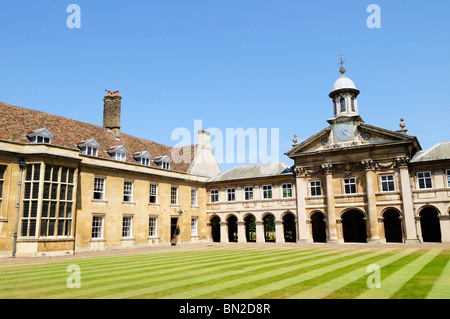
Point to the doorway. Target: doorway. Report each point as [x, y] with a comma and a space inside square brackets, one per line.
[174, 230]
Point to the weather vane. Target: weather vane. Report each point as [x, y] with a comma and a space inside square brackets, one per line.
[341, 62]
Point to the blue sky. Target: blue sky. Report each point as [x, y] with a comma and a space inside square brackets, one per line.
[231, 64]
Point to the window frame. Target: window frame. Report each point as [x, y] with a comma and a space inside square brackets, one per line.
[248, 193]
[153, 194]
[424, 178]
[317, 188]
[98, 227]
[30, 202]
[288, 189]
[214, 195]
[388, 183]
[194, 226]
[354, 183]
[103, 188]
[2, 184]
[173, 195]
[152, 226]
[127, 228]
[447, 173]
[231, 194]
[194, 197]
[128, 191]
[267, 192]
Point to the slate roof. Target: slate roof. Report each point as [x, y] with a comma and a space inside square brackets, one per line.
[440, 151]
[253, 171]
[16, 122]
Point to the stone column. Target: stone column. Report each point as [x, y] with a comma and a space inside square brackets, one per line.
[332, 228]
[241, 232]
[302, 230]
[408, 205]
[260, 238]
[224, 232]
[374, 234]
[279, 234]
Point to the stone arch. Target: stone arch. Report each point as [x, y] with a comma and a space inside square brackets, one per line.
[354, 228]
[429, 224]
[215, 228]
[250, 227]
[393, 225]
[289, 227]
[269, 227]
[232, 228]
[318, 226]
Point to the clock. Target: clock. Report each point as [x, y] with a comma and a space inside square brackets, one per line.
[343, 132]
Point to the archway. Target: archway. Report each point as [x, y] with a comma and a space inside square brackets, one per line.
[269, 228]
[290, 233]
[392, 226]
[215, 229]
[354, 227]
[250, 228]
[318, 228]
[232, 229]
[430, 225]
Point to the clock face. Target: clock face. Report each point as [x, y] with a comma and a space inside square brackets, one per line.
[343, 132]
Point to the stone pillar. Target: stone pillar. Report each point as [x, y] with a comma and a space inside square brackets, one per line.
[224, 232]
[260, 238]
[279, 234]
[302, 229]
[373, 230]
[241, 232]
[444, 221]
[408, 205]
[332, 227]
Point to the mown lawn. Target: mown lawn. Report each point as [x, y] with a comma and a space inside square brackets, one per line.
[235, 273]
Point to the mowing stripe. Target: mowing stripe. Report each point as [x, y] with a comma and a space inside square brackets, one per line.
[286, 287]
[323, 290]
[441, 289]
[149, 291]
[396, 280]
[251, 287]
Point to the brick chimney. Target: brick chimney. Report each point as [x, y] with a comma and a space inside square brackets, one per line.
[111, 112]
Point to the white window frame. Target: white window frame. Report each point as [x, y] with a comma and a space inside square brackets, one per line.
[127, 226]
[152, 226]
[267, 192]
[153, 194]
[231, 194]
[119, 156]
[248, 193]
[194, 226]
[447, 172]
[424, 178]
[214, 195]
[194, 197]
[350, 181]
[288, 188]
[174, 195]
[98, 222]
[128, 191]
[99, 188]
[315, 188]
[389, 182]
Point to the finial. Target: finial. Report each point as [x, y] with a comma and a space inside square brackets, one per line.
[402, 126]
[341, 62]
[295, 140]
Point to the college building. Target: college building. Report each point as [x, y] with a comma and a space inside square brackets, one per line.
[67, 186]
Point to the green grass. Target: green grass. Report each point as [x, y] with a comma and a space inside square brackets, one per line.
[237, 272]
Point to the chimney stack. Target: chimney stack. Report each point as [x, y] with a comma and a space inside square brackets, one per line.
[111, 112]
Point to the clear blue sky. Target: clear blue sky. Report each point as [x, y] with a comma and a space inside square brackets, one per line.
[231, 64]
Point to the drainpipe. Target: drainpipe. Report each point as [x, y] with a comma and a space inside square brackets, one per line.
[16, 222]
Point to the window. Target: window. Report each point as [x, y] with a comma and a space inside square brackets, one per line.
[89, 147]
[315, 188]
[2, 174]
[30, 200]
[99, 188]
[128, 191]
[424, 180]
[40, 136]
[350, 185]
[89, 150]
[231, 194]
[248, 193]
[287, 190]
[142, 158]
[152, 227]
[342, 102]
[165, 165]
[193, 197]
[153, 193]
[163, 161]
[97, 227]
[194, 222]
[353, 104]
[448, 178]
[127, 226]
[143, 161]
[387, 183]
[57, 201]
[334, 106]
[40, 139]
[174, 196]
[119, 156]
[214, 195]
[267, 191]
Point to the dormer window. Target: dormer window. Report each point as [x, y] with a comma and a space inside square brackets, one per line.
[40, 136]
[163, 161]
[119, 153]
[89, 147]
[142, 158]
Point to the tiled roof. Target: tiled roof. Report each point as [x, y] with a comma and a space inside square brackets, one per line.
[16, 122]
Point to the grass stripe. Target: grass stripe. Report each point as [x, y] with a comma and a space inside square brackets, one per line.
[347, 275]
[397, 279]
[441, 288]
[357, 287]
[421, 284]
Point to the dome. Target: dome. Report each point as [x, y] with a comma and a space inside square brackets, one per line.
[343, 83]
